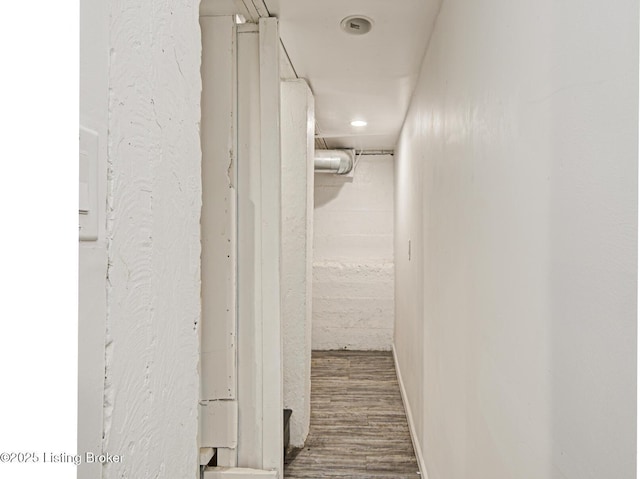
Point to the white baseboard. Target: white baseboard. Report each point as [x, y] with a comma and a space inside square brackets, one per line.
[412, 427]
[238, 473]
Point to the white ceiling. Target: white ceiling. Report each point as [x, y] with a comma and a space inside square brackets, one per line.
[369, 77]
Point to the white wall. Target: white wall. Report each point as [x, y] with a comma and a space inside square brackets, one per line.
[516, 185]
[153, 229]
[92, 255]
[353, 257]
[297, 122]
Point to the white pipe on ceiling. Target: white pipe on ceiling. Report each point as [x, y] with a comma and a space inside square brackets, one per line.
[334, 161]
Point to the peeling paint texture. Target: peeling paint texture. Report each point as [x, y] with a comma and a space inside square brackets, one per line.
[154, 201]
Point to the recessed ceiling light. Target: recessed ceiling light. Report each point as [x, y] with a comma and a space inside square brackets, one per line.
[358, 123]
[356, 24]
[240, 20]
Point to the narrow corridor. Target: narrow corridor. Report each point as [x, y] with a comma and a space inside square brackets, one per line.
[358, 424]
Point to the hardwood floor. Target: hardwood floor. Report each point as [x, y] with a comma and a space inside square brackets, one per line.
[358, 424]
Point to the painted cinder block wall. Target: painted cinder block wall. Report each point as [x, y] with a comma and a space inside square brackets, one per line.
[516, 183]
[353, 257]
[153, 234]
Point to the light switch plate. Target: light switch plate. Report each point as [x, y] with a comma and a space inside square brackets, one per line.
[88, 191]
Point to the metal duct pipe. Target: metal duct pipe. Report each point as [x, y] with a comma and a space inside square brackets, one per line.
[334, 161]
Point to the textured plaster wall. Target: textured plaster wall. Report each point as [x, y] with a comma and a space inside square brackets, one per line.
[154, 200]
[516, 184]
[353, 257]
[297, 130]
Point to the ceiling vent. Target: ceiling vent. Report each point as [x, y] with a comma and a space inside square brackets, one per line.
[356, 25]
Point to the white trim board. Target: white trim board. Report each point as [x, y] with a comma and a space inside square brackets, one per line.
[238, 473]
[260, 439]
[407, 409]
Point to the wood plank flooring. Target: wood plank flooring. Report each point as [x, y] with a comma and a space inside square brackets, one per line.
[358, 424]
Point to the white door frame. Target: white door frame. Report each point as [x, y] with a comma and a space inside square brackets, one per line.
[241, 399]
[260, 425]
